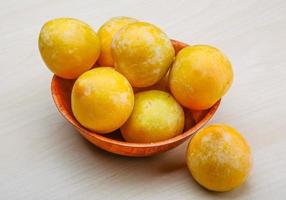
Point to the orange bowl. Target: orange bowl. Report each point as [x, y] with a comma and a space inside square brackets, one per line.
[113, 142]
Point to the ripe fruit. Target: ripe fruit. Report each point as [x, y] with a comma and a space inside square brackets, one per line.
[106, 33]
[200, 76]
[142, 53]
[102, 99]
[156, 116]
[68, 46]
[219, 158]
[162, 84]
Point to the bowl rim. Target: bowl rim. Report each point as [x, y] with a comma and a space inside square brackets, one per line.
[71, 119]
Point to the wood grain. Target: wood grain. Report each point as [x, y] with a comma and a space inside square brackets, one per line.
[43, 157]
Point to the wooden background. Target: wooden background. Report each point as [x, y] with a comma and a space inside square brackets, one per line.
[43, 157]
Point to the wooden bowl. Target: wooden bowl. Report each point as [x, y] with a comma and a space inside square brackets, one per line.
[113, 142]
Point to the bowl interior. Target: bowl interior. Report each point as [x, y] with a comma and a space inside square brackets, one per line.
[62, 98]
[61, 92]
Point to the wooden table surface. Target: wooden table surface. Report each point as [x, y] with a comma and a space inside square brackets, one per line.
[43, 157]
